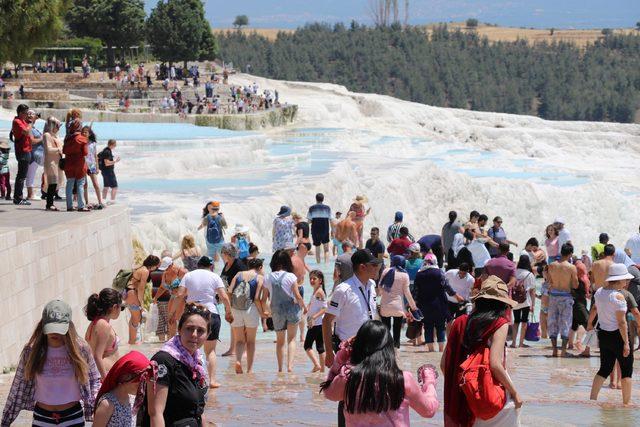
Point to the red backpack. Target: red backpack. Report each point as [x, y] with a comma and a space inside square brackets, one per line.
[485, 395]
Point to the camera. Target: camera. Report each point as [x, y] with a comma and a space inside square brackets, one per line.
[39, 115]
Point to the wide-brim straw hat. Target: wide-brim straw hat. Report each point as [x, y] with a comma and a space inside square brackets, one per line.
[284, 211]
[240, 229]
[494, 288]
[360, 198]
[4, 143]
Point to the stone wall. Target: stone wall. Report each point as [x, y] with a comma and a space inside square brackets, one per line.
[252, 121]
[69, 261]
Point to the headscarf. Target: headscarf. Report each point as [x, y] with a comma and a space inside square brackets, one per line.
[430, 261]
[620, 257]
[458, 243]
[397, 263]
[193, 361]
[131, 366]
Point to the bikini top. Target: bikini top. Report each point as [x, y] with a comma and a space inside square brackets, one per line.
[114, 345]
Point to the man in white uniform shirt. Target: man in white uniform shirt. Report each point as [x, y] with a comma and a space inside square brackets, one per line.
[201, 286]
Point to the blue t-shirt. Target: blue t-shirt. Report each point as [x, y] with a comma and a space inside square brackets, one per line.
[430, 241]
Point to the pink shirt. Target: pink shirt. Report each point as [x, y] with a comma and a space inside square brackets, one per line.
[424, 402]
[391, 302]
[57, 383]
[552, 247]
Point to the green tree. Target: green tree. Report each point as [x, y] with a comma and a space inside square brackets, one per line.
[178, 31]
[607, 32]
[118, 23]
[241, 21]
[25, 24]
[638, 26]
[472, 23]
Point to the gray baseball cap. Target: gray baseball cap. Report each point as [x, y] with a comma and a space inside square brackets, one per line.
[56, 317]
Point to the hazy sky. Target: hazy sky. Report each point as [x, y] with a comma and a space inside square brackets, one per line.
[527, 13]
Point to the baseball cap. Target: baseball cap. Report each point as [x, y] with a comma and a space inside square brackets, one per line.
[414, 247]
[364, 256]
[56, 317]
[558, 220]
[166, 262]
[215, 204]
[205, 261]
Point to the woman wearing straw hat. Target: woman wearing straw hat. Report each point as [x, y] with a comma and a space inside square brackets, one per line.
[487, 325]
[613, 337]
[358, 207]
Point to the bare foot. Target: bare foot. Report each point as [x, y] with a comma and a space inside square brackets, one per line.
[289, 370]
[513, 345]
[315, 369]
[228, 353]
[619, 386]
[238, 368]
[612, 386]
[214, 385]
[523, 345]
[555, 353]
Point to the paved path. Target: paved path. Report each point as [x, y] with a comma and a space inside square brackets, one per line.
[38, 219]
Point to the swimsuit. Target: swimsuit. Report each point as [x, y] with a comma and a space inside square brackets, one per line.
[114, 346]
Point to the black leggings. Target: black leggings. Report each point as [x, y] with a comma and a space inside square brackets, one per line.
[51, 192]
[314, 334]
[611, 347]
[397, 326]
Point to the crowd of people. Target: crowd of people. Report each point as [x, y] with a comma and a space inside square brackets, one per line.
[67, 163]
[466, 288]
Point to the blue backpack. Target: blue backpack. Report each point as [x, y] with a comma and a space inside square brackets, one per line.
[243, 247]
[214, 231]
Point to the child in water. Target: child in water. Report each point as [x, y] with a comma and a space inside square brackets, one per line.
[317, 307]
[128, 377]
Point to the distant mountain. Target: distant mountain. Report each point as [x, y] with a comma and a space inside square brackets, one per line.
[517, 13]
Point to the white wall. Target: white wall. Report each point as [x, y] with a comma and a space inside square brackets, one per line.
[68, 261]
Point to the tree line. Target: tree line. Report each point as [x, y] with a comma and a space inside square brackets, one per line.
[557, 81]
[176, 30]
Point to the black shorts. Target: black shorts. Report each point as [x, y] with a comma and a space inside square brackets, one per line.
[314, 334]
[319, 234]
[580, 316]
[214, 327]
[521, 315]
[109, 178]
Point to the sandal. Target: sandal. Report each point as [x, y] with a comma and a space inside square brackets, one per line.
[71, 209]
[84, 210]
[52, 208]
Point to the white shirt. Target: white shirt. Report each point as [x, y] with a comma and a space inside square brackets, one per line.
[350, 306]
[479, 253]
[633, 244]
[563, 237]
[608, 302]
[289, 280]
[202, 286]
[462, 286]
[529, 283]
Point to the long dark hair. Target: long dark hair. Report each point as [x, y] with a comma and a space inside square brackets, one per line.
[486, 312]
[524, 263]
[375, 383]
[320, 276]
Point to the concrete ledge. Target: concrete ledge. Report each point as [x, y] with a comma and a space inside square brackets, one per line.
[251, 121]
[68, 256]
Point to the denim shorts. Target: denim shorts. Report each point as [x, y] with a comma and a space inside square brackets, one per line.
[214, 248]
[284, 315]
